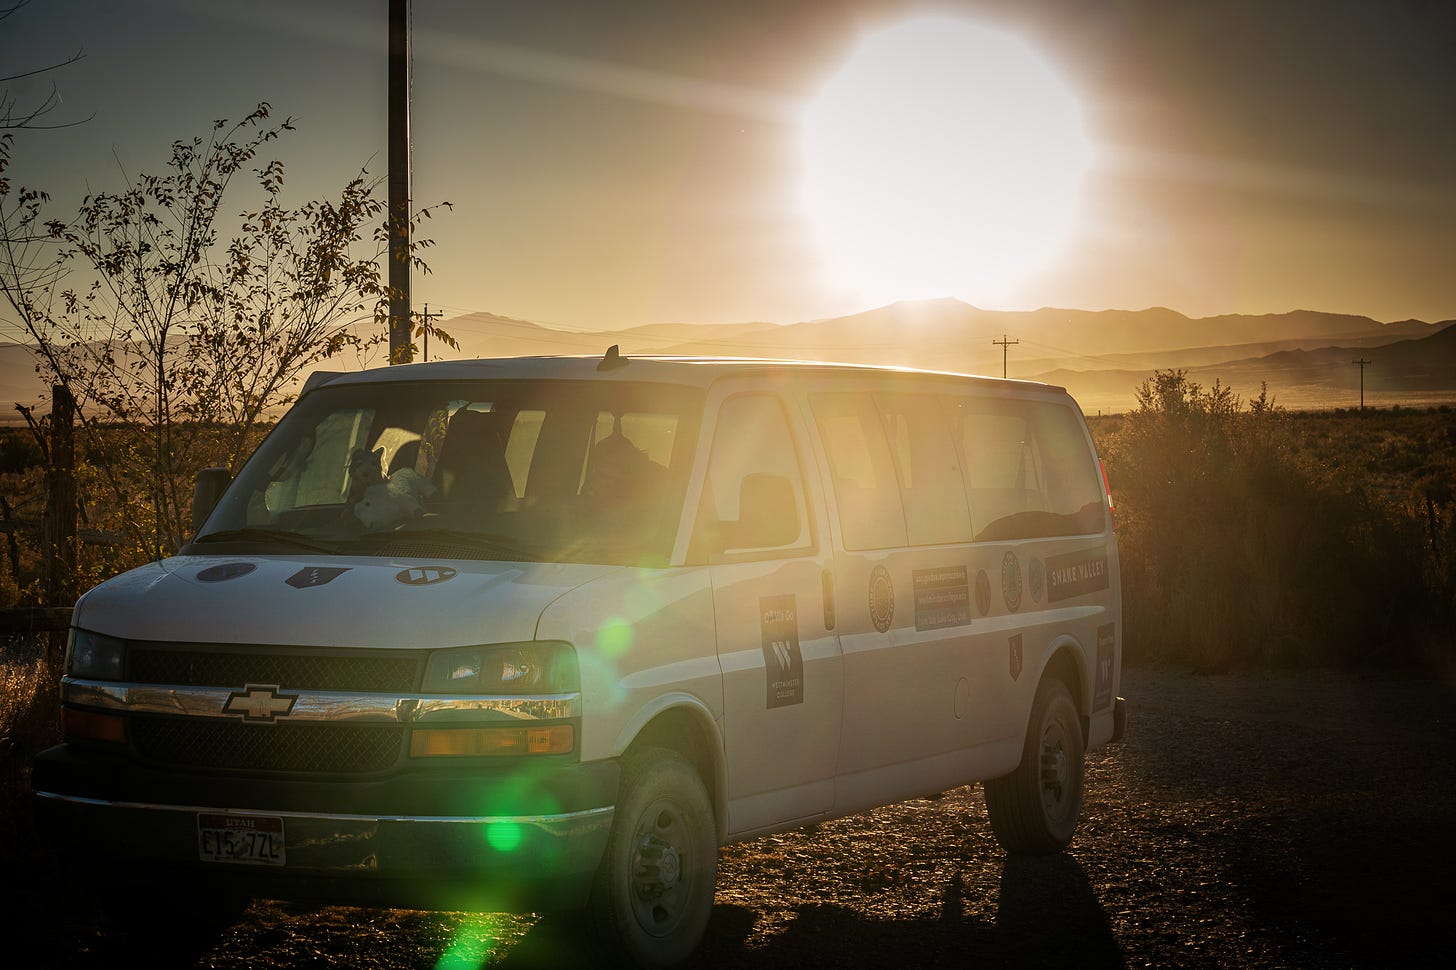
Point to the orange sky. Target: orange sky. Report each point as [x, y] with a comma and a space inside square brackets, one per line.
[612, 164]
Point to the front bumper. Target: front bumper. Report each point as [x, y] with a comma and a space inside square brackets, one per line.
[494, 838]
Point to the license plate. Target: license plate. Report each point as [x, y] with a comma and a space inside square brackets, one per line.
[247, 839]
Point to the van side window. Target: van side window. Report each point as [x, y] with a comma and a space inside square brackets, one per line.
[870, 514]
[753, 496]
[1028, 470]
[928, 467]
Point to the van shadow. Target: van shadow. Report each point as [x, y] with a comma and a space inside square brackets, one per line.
[1047, 914]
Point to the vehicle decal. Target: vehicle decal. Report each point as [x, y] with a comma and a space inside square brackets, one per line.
[1015, 646]
[225, 571]
[1076, 573]
[882, 599]
[983, 592]
[1011, 581]
[315, 576]
[942, 597]
[1106, 650]
[1036, 579]
[424, 575]
[783, 664]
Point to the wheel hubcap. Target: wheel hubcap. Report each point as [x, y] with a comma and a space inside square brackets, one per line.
[658, 867]
[1055, 770]
[661, 883]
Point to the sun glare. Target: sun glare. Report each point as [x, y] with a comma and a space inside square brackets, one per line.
[944, 159]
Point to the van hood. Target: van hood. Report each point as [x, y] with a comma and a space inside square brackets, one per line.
[331, 601]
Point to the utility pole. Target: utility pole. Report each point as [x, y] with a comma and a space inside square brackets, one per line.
[1362, 363]
[425, 319]
[1004, 343]
[398, 219]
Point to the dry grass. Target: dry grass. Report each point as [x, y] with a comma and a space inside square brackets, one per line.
[29, 722]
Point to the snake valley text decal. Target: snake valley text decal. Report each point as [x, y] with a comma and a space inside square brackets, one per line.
[1076, 573]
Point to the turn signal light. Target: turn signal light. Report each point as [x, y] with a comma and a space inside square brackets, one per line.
[487, 742]
[90, 726]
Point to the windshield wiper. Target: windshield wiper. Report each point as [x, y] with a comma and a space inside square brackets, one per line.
[267, 535]
[495, 543]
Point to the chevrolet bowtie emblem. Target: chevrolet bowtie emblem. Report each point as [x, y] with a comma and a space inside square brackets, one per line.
[259, 703]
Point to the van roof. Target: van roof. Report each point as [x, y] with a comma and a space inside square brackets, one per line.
[691, 371]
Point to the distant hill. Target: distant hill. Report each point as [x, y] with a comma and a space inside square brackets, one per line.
[1416, 371]
[1100, 355]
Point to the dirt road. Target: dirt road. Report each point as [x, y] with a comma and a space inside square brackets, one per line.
[1282, 820]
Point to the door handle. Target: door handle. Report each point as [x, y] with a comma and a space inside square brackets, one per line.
[827, 581]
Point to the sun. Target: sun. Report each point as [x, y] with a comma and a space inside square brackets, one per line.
[944, 159]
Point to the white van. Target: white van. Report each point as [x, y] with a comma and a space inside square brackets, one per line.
[547, 632]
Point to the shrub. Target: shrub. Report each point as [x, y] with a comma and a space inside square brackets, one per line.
[1237, 550]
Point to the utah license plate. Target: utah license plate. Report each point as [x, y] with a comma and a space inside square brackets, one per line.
[248, 839]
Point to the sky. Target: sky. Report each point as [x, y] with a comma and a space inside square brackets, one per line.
[619, 163]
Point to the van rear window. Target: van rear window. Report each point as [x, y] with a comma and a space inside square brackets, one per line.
[1028, 470]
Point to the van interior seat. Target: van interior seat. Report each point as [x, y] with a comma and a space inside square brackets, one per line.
[472, 471]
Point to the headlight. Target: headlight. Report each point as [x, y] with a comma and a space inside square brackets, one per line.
[91, 656]
[513, 668]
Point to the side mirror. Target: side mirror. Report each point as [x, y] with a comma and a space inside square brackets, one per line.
[768, 514]
[211, 483]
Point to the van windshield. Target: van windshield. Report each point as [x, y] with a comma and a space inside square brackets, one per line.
[558, 471]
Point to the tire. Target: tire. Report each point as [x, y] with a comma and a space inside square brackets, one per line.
[654, 890]
[1035, 809]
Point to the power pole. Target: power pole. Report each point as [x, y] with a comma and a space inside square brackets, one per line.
[1004, 343]
[1362, 363]
[399, 182]
[425, 319]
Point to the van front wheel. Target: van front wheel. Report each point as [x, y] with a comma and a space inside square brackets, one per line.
[654, 890]
[1034, 810]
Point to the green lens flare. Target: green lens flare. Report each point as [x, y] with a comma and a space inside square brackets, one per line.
[471, 946]
[614, 638]
[504, 836]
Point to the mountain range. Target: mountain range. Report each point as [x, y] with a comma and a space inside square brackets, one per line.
[1307, 358]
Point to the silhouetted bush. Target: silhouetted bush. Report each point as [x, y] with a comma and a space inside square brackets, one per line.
[1238, 549]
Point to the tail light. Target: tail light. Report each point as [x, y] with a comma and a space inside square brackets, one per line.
[1111, 506]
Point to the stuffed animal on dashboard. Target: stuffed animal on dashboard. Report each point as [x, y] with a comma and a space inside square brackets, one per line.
[394, 500]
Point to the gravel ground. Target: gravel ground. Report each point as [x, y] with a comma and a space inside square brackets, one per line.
[1271, 820]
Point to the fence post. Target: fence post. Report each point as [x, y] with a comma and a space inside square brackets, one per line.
[59, 540]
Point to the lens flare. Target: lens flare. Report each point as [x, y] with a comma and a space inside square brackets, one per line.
[614, 637]
[471, 946]
[504, 836]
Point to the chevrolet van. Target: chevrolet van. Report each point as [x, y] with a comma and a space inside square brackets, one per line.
[547, 632]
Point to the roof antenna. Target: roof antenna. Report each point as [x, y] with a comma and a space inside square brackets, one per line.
[612, 360]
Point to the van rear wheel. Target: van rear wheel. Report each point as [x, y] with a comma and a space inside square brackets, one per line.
[1035, 809]
[654, 890]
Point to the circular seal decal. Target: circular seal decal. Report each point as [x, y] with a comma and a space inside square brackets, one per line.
[226, 571]
[882, 599]
[1011, 581]
[424, 575]
[1036, 579]
[983, 592]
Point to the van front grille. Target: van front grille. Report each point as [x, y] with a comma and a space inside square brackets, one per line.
[300, 747]
[369, 672]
